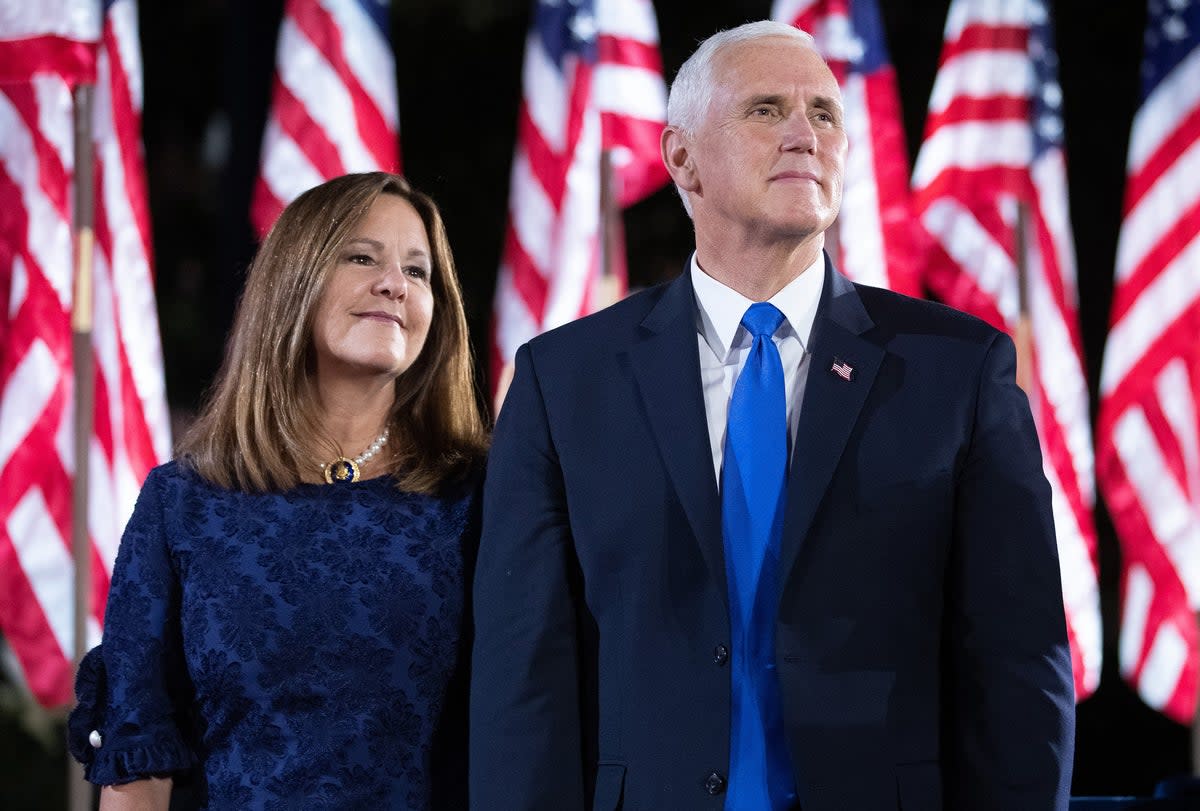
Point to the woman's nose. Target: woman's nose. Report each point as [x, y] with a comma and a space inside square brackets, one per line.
[392, 283]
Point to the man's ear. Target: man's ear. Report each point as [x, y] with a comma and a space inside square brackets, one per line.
[677, 157]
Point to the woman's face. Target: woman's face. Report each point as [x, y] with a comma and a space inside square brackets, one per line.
[374, 315]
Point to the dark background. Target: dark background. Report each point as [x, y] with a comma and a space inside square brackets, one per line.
[208, 67]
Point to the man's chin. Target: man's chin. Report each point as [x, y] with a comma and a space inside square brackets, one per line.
[796, 229]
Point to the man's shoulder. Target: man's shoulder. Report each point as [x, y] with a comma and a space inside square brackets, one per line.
[615, 323]
[898, 313]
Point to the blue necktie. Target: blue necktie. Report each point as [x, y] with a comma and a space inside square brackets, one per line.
[752, 489]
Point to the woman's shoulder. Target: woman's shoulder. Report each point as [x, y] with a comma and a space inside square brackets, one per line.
[444, 512]
[171, 470]
[174, 475]
[176, 483]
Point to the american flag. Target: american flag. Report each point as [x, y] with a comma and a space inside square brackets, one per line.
[993, 140]
[47, 49]
[333, 105]
[1148, 434]
[842, 369]
[874, 229]
[592, 81]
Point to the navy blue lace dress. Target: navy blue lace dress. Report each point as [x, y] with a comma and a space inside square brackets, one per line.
[295, 650]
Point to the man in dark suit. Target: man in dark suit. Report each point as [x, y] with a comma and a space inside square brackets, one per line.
[762, 538]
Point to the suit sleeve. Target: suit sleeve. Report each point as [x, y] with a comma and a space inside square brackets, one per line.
[1011, 714]
[525, 746]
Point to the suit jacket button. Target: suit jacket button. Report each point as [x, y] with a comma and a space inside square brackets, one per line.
[714, 784]
[720, 654]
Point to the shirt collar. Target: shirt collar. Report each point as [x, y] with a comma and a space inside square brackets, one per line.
[720, 308]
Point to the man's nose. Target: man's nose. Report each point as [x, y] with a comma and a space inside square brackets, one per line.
[798, 134]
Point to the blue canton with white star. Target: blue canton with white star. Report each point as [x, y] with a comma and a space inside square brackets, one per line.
[1046, 105]
[869, 28]
[1172, 32]
[379, 13]
[566, 27]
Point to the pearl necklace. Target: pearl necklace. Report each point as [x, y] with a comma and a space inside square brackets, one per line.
[347, 470]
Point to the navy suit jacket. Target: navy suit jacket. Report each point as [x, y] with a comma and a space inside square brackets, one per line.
[921, 643]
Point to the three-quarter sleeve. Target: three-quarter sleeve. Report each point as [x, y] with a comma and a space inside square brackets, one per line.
[134, 700]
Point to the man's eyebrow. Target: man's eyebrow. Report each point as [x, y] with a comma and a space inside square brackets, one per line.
[828, 103]
[764, 98]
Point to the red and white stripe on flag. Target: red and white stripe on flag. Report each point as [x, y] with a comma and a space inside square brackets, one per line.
[993, 139]
[45, 54]
[334, 107]
[592, 80]
[874, 229]
[1148, 432]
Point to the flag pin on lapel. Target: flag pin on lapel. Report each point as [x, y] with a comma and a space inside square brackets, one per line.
[842, 369]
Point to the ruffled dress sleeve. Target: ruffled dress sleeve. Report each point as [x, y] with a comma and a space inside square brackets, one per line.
[132, 720]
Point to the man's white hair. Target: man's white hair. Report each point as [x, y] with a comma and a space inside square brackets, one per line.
[691, 91]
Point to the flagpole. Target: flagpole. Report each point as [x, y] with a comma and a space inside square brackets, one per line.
[607, 289]
[1023, 332]
[79, 790]
[1196, 728]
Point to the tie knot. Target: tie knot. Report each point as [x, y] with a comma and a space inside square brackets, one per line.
[762, 319]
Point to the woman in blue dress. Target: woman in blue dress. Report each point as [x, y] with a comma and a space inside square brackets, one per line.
[287, 611]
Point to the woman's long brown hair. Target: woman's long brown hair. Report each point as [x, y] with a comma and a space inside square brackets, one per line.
[258, 428]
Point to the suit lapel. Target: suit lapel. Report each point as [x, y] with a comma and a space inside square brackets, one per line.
[666, 364]
[831, 404]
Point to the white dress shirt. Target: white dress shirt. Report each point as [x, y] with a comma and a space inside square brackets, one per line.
[724, 344]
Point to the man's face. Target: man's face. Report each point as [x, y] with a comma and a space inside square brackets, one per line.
[769, 154]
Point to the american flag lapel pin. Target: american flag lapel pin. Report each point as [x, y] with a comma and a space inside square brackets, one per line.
[842, 369]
